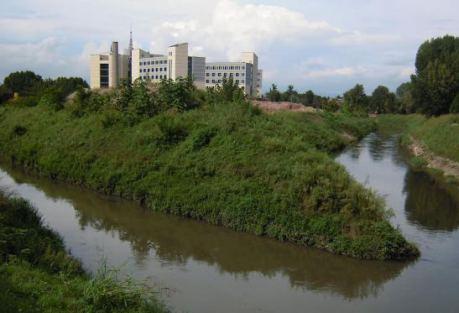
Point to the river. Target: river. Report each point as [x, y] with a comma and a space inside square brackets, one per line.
[203, 268]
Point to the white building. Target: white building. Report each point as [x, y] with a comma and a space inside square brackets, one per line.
[175, 64]
[108, 69]
[245, 73]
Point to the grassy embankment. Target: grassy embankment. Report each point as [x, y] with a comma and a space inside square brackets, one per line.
[37, 274]
[433, 141]
[227, 164]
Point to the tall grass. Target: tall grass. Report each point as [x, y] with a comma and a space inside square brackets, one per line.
[439, 134]
[225, 163]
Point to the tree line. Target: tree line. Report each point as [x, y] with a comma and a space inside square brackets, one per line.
[432, 90]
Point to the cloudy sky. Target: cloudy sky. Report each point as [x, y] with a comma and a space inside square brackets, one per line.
[327, 46]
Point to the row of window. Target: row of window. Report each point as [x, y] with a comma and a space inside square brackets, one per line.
[153, 62]
[219, 81]
[221, 67]
[224, 74]
[153, 77]
[145, 70]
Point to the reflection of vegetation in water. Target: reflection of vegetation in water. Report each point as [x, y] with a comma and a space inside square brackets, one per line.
[429, 204]
[176, 240]
[38, 275]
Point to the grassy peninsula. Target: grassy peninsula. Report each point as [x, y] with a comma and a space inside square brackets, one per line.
[209, 156]
[38, 275]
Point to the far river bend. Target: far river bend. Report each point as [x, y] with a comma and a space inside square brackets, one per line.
[202, 268]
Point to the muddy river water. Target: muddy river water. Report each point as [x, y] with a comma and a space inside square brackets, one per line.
[202, 268]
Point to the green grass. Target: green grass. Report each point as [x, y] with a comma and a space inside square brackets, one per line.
[227, 164]
[439, 134]
[37, 274]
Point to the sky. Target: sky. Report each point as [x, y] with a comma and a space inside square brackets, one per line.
[326, 46]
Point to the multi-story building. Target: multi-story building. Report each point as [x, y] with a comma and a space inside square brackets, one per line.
[108, 69]
[244, 73]
[175, 64]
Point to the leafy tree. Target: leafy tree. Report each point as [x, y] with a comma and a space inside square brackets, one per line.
[274, 94]
[436, 82]
[355, 99]
[383, 101]
[142, 102]
[229, 91]
[22, 82]
[5, 94]
[455, 105]
[179, 94]
[290, 94]
[309, 97]
[405, 98]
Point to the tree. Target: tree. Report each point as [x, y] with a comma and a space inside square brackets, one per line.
[290, 94]
[5, 94]
[22, 82]
[405, 98]
[436, 82]
[309, 95]
[382, 101]
[455, 105]
[355, 99]
[274, 94]
[229, 91]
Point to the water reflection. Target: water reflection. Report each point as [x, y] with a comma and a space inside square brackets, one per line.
[429, 204]
[175, 241]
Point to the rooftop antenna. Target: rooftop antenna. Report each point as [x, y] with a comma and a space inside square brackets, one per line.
[131, 47]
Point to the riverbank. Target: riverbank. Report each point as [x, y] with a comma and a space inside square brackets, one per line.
[227, 164]
[37, 273]
[433, 142]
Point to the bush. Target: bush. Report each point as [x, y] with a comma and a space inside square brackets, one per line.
[454, 108]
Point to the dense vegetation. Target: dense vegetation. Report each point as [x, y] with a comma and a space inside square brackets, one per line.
[307, 98]
[37, 274]
[435, 87]
[210, 156]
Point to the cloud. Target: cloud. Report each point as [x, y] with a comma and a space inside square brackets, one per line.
[233, 27]
[347, 71]
[326, 45]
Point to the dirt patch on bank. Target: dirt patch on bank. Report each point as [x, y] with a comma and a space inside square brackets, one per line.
[449, 167]
[270, 107]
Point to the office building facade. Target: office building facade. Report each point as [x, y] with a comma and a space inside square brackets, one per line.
[109, 69]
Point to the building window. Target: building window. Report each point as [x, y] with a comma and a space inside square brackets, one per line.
[213, 74]
[103, 75]
[242, 81]
[237, 74]
[207, 81]
[219, 74]
[207, 74]
[242, 74]
[237, 81]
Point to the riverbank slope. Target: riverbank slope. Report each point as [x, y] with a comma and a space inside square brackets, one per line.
[38, 275]
[227, 164]
[433, 142]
